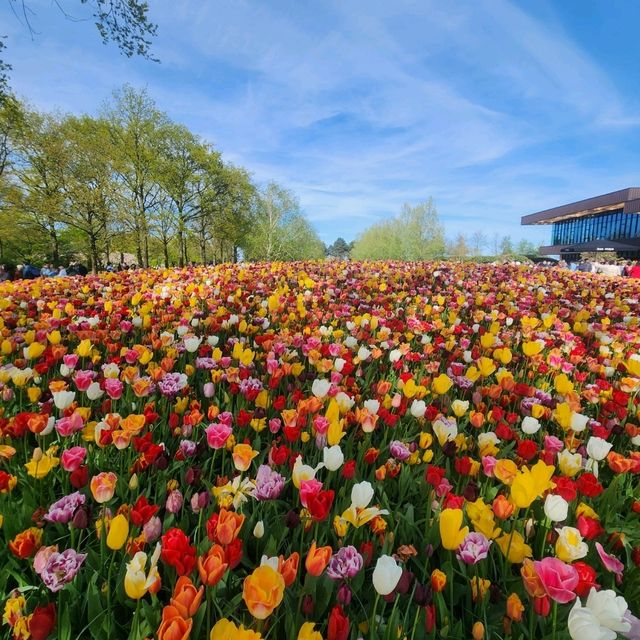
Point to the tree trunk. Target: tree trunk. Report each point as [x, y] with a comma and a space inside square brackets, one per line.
[93, 244]
[55, 247]
[165, 250]
[235, 253]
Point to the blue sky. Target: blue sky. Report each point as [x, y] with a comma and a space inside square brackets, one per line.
[495, 108]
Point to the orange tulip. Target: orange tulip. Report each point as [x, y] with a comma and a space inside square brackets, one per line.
[103, 486]
[502, 508]
[173, 627]
[289, 568]
[186, 598]
[438, 580]
[263, 591]
[317, 559]
[212, 566]
[228, 527]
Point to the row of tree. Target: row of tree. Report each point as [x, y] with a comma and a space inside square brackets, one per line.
[132, 180]
[417, 234]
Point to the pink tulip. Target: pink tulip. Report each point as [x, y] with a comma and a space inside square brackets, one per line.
[217, 435]
[558, 579]
[72, 458]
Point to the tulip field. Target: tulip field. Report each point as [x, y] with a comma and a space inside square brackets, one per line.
[321, 451]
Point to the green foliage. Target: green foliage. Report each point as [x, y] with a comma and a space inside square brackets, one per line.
[415, 234]
[280, 231]
[133, 181]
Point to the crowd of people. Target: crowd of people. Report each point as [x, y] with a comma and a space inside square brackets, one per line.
[74, 268]
[627, 268]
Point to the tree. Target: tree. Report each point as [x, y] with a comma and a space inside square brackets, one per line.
[506, 246]
[526, 248]
[41, 154]
[478, 241]
[280, 231]
[415, 234]
[339, 249]
[137, 128]
[179, 167]
[125, 22]
[88, 183]
[459, 247]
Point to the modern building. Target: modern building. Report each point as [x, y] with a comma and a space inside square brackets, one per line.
[610, 222]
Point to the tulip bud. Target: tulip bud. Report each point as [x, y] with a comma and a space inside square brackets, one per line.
[478, 631]
[344, 594]
[258, 530]
[308, 605]
[133, 482]
[118, 533]
[152, 529]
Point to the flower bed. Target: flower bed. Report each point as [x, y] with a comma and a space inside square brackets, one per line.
[320, 450]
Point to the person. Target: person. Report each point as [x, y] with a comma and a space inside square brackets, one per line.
[4, 274]
[29, 272]
[61, 271]
[634, 270]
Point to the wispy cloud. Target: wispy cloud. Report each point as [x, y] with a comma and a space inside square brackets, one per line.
[361, 106]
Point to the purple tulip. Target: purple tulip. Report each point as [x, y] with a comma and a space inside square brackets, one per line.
[474, 547]
[345, 564]
[269, 484]
[62, 510]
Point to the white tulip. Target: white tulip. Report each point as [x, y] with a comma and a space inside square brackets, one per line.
[350, 342]
[386, 575]
[345, 402]
[212, 341]
[361, 495]
[530, 425]
[363, 353]
[182, 329]
[556, 508]
[418, 408]
[372, 406]
[191, 344]
[63, 399]
[395, 355]
[270, 562]
[598, 448]
[320, 388]
[94, 391]
[49, 428]
[579, 422]
[338, 364]
[609, 609]
[583, 625]
[333, 457]
[258, 530]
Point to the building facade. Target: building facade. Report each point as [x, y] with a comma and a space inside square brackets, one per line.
[610, 222]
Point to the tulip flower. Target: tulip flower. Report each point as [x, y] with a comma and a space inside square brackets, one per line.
[263, 591]
[317, 559]
[118, 532]
[386, 575]
[451, 532]
[138, 581]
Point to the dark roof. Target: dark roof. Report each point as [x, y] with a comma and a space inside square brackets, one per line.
[630, 244]
[626, 199]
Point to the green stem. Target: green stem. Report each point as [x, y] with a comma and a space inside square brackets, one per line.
[373, 627]
[555, 620]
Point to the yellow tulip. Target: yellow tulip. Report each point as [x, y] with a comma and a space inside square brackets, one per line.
[34, 350]
[84, 348]
[562, 384]
[118, 532]
[136, 581]
[532, 348]
[450, 532]
[307, 632]
[530, 484]
[513, 547]
[486, 366]
[54, 337]
[442, 384]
